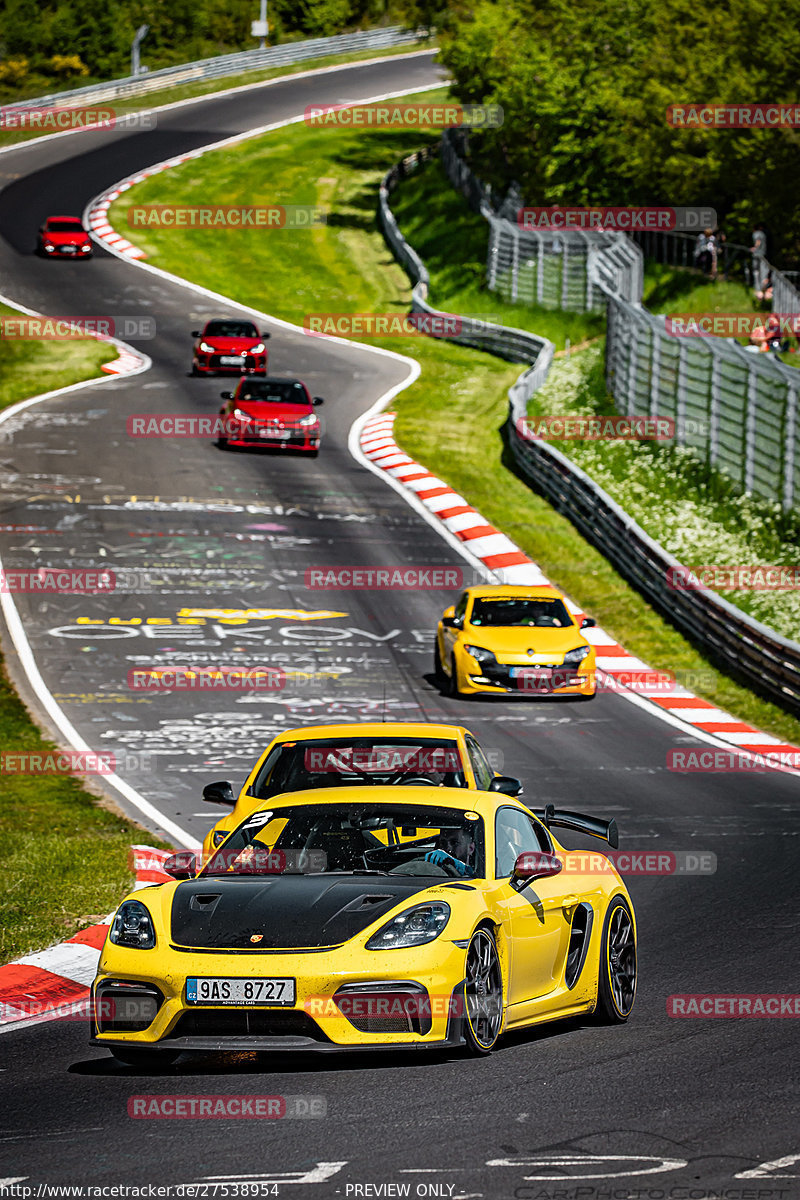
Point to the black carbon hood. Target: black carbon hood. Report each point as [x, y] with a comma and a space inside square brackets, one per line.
[288, 911]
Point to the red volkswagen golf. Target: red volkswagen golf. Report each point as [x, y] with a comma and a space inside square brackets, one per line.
[63, 237]
[229, 345]
[276, 413]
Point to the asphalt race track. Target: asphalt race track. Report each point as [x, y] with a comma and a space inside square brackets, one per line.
[645, 1109]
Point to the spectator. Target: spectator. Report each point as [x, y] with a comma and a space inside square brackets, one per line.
[764, 290]
[759, 253]
[702, 251]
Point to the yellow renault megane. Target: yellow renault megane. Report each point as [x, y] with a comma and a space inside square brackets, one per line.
[356, 918]
[513, 638]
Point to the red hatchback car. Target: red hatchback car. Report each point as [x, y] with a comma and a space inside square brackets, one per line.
[63, 237]
[276, 413]
[229, 345]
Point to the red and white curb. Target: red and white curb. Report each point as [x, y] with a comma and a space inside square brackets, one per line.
[511, 565]
[54, 983]
[97, 217]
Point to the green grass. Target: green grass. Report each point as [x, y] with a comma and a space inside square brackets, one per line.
[28, 368]
[64, 855]
[192, 91]
[452, 418]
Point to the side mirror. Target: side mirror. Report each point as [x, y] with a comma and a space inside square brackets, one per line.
[264, 334]
[226, 395]
[196, 333]
[534, 864]
[317, 400]
[182, 865]
[588, 623]
[219, 793]
[506, 784]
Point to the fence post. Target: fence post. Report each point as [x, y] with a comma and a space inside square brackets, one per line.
[713, 408]
[564, 273]
[680, 398]
[633, 347]
[790, 435]
[539, 269]
[514, 262]
[655, 371]
[750, 429]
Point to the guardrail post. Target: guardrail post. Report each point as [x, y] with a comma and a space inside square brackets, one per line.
[565, 273]
[790, 437]
[630, 388]
[750, 429]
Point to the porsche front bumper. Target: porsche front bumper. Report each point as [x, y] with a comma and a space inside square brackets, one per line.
[433, 972]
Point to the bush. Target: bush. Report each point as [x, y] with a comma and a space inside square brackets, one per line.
[14, 71]
[66, 66]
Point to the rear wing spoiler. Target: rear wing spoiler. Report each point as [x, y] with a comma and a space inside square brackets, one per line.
[564, 819]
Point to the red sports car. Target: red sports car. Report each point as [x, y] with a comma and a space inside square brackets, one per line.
[63, 237]
[276, 413]
[229, 345]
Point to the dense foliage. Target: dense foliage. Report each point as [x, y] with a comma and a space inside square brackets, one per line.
[585, 85]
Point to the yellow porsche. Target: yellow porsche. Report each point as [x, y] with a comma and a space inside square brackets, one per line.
[380, 918]
[398, 753]
[500, 638]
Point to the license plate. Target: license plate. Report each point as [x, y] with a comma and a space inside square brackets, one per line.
[231, 360]
[239, 991]
[530, 672]
[275, 435]
[68, 249]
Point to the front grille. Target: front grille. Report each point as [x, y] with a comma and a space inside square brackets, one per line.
[547, 678]
[237, 1022]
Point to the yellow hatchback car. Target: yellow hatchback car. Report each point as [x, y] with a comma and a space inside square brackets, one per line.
[332, 756]
[513, 638]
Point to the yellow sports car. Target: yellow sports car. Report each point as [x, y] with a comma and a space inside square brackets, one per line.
[369, 918]
[396, 753]
[503, 638]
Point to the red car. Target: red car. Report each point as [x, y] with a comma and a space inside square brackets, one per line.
[229, 344]
[276, 413]
[63, 237]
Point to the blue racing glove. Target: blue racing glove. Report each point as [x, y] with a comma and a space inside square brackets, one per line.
[441, 856]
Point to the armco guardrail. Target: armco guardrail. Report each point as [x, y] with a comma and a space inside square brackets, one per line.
[226, 64]
[753, 652]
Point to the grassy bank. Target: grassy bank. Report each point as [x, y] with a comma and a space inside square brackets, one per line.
[451, 419]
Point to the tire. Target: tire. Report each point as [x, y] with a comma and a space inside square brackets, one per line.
[438, 669]
[452, 683]
[616, 984]
[222, 443]
[483, 994]
[146, 1060]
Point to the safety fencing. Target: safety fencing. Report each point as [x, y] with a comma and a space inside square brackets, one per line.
[226, 64]
[759, 656]
[737, 410]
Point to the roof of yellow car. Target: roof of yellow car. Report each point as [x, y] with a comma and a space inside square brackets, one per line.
[372, 729]
[383, 793]
[532, 591]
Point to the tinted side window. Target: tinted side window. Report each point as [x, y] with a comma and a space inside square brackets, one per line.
[515, 834]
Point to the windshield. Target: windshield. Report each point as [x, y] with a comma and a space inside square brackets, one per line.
[274, 391]
[514, 612]
[317, 763]
[231, 329]
[366, 838]
[64, 227]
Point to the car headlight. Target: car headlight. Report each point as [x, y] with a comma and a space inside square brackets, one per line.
[259, 349]
[86, 248]
[133, 927]
[573, 657]
[238, 415]
[204, 346]
[311, 419]
[411, 928]
[49, 246]
[482, 656]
